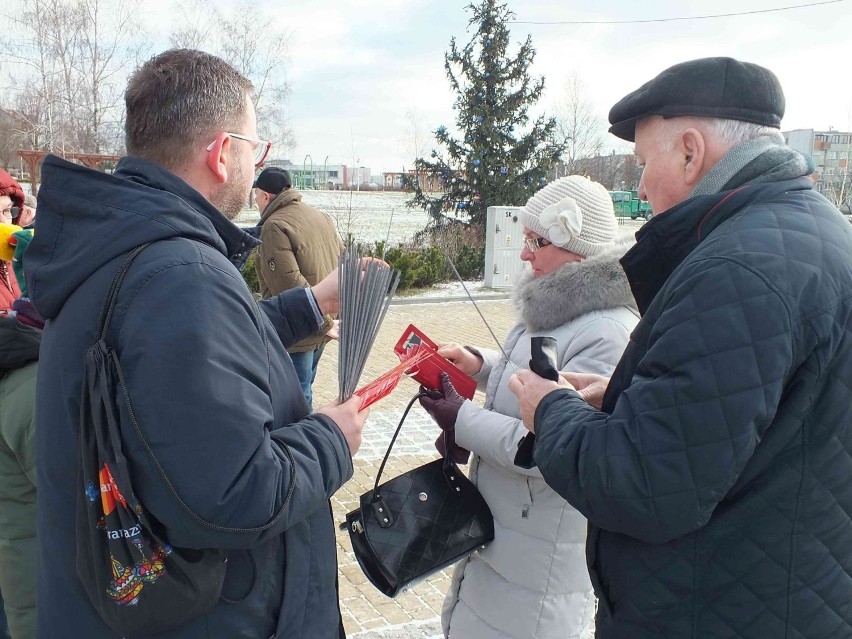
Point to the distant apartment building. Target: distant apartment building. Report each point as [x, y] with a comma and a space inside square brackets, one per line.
[831, 152]
[325, 176]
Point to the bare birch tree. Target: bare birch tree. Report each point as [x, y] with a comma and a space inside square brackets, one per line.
[30, 42]
[416, 137]
[579, 128]
[416, 141]
[255, 44]
[836, 181]
[195, 20]
[74, 56]
[106, 47]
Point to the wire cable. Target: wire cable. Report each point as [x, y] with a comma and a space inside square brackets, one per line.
[680, 18]
[476, 306]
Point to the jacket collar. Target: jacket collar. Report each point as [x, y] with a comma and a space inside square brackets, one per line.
[668, 238]
[281, 200]
[237, 242]
[577, 288]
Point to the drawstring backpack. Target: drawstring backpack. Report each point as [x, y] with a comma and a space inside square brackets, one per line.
[137, 581]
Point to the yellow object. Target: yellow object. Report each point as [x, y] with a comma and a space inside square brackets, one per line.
[7, 250]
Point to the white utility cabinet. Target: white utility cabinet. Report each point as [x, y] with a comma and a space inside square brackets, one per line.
[504, 238]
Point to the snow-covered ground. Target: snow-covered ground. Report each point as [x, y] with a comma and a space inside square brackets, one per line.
[451, 289]
[368, 215]
[372, 216]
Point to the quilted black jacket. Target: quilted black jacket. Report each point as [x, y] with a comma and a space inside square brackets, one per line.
[717, 480]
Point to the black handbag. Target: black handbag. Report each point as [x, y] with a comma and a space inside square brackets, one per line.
[417, 524]
[137, 582]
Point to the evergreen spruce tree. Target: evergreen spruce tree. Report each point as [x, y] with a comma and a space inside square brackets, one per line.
[500, 159]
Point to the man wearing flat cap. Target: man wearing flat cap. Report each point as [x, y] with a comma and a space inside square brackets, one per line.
[714, 466]
[299, 247]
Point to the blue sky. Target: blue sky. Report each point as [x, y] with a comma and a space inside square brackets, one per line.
[358, 66]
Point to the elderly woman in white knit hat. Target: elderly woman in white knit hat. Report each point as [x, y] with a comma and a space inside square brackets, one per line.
[531, 582]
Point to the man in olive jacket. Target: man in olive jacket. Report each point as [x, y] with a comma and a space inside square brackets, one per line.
[299, 247]
[715, 466]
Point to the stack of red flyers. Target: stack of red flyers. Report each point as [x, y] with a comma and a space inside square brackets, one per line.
[418, 358]
[428, 371]
[385, 383]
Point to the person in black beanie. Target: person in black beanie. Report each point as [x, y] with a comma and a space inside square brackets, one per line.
[299, 247]
[713, 465]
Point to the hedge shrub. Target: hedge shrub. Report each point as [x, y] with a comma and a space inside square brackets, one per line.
[419, 265]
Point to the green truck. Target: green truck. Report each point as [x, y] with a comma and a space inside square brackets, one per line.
[628, 204]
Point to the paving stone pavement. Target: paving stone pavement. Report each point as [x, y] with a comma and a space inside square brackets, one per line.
[412, 630]
[368, 614]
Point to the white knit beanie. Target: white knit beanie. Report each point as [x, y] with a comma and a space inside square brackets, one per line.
[574, 213]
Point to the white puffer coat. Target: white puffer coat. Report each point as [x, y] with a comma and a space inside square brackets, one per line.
[531, 582]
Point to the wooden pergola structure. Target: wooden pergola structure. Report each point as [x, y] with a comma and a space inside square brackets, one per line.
[34, 159]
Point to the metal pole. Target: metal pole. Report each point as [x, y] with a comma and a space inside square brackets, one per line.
[325, 173]
[305, 171]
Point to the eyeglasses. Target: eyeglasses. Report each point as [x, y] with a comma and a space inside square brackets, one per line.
[9, 212]
[260, 147]
[535, 243]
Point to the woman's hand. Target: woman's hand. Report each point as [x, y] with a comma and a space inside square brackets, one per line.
[464, 358]
[443, 406]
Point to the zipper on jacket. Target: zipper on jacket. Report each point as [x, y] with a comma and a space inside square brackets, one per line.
[527, 499]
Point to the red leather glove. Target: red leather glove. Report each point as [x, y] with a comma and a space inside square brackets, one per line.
[443, 406]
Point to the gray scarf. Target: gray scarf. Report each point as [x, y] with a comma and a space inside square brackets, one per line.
[763, 159]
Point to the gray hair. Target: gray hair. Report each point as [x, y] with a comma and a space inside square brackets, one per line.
[727, 132]
[179, 100]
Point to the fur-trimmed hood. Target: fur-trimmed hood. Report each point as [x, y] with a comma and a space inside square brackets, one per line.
[596, 283]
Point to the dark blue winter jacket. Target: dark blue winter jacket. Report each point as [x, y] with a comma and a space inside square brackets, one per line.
[212, 387]
[717, 480]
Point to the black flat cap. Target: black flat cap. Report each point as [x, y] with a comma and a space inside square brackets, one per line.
[708, 87]
[273, 179]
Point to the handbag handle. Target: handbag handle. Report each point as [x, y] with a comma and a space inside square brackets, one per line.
[447, 462]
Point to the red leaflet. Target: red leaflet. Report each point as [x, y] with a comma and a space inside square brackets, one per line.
[418, 358]
[385, 383]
